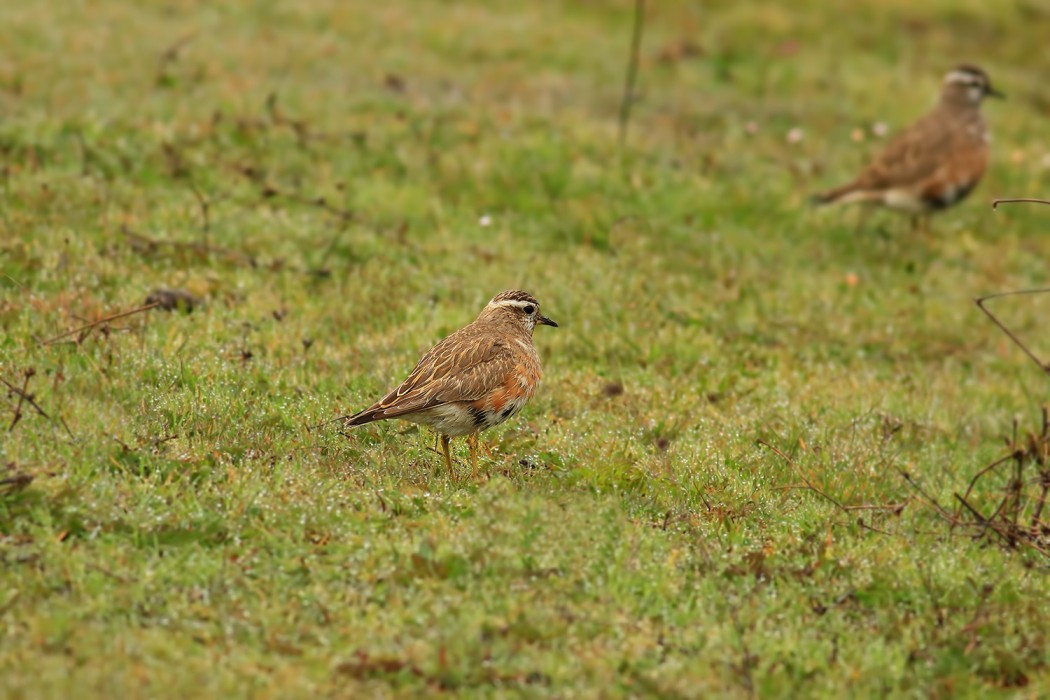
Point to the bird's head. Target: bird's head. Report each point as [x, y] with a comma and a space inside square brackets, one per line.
[967, 85]
[517, 308]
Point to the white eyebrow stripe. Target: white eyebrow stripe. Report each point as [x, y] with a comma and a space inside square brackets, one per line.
[517, 303]
[964, 77]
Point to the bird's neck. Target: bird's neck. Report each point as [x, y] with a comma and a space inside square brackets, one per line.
[960, 100]
[506, 326]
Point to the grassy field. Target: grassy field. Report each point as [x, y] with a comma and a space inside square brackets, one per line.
[342, 184]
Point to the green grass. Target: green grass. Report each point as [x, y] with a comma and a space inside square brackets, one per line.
[194, 535]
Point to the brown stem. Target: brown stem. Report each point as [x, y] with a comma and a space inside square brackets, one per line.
[997, 202]
[99, 322]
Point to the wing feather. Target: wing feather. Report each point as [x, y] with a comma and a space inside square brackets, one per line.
[916, 154]
[462, 367]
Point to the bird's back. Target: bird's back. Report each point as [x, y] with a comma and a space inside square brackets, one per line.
[466, 366]
[942, 139]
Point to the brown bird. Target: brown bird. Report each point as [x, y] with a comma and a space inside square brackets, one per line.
[935, 162]
[474, 379]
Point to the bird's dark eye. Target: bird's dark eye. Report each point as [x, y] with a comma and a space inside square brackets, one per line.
[529, 309]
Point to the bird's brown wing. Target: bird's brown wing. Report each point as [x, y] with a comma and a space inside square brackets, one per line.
[462, 367]
[912, 156]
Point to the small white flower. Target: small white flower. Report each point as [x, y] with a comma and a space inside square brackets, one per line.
[880, 129]
[485, 220]
[795, 135]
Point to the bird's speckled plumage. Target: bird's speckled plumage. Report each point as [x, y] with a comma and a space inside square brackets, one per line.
[476, 378]
[934, 163]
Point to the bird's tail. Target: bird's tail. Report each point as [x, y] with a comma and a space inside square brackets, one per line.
[832, 196]
[853, 193]
[366, 416]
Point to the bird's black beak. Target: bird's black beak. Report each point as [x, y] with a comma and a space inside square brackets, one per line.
[543, 320]
[992, 92]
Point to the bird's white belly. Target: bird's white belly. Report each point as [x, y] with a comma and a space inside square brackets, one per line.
[449, 419]
[456, 419]
[905, 201]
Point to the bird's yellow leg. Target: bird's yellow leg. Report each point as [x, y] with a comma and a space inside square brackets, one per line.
[445, 439]
[864, 218]
[472, 440]
[920, 223]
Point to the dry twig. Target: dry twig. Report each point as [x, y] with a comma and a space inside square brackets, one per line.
[632, 69]
[1031, 200]
[93, 324]
[1017, 518]
[894, 508]
[980, 301]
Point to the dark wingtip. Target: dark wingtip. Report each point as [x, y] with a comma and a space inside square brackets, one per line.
[366, 416]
